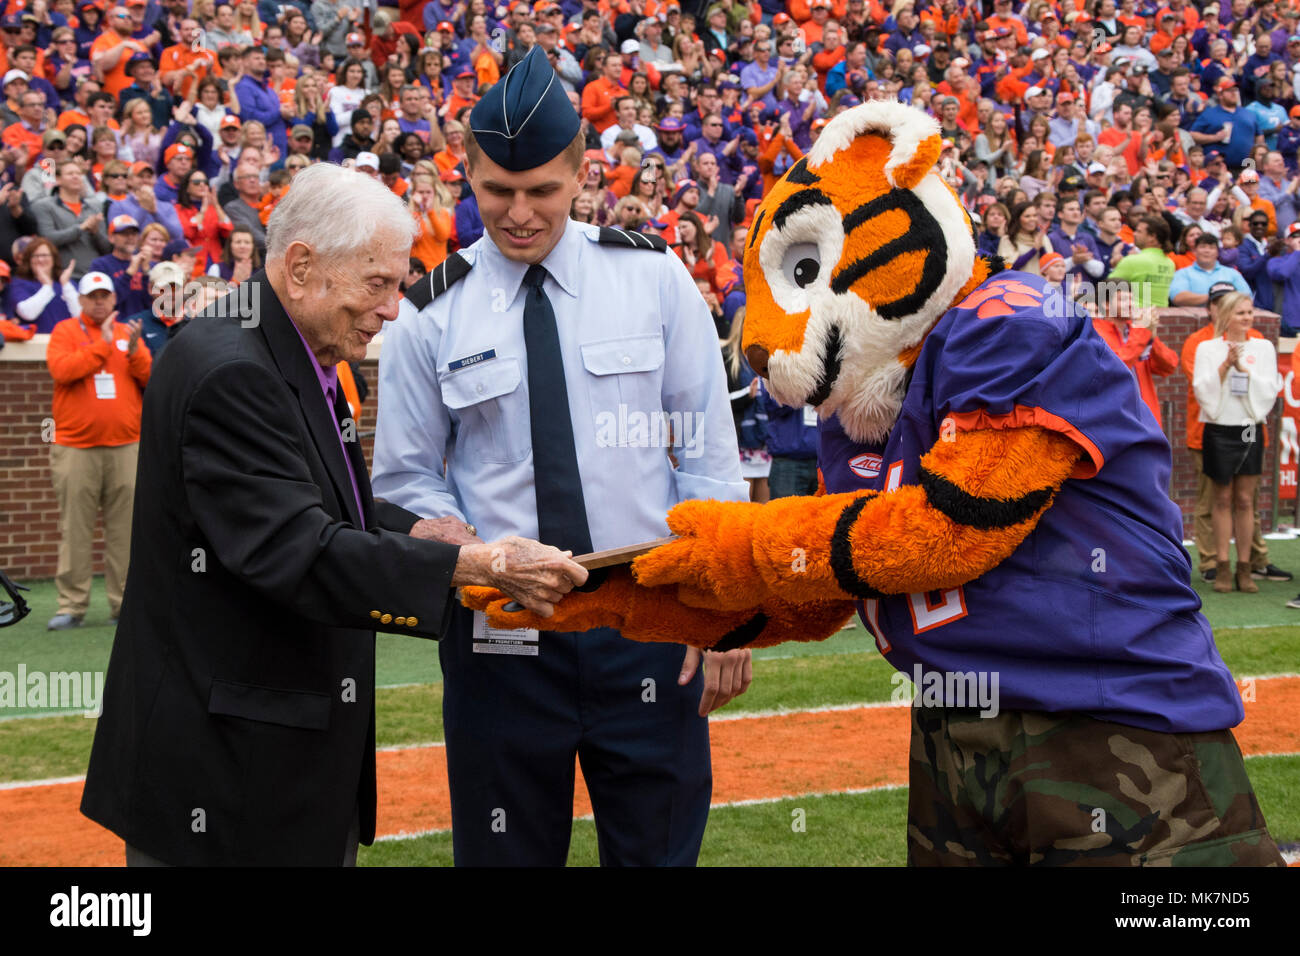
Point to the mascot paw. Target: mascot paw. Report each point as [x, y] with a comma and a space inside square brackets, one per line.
[576, 611]
[712, 560]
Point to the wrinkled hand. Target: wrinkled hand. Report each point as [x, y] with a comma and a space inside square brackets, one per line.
[534, 574]
[448, 529]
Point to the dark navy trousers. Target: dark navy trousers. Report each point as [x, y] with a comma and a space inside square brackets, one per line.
[514, 725]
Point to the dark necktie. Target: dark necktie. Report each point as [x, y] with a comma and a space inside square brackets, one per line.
[561, 510]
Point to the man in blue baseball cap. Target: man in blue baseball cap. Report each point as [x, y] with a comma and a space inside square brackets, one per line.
[671, 146]
[503, 385]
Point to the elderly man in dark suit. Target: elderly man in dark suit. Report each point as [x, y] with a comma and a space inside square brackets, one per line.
[238, 724]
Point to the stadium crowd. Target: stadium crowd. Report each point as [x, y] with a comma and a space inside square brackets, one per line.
[1091, 141]
[168, 131]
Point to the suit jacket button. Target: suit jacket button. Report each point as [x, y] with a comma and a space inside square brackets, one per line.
[386, 619]
[411, 621]
[376, 614]
[400, 621]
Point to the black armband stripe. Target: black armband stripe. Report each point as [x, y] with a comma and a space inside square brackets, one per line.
[846, 575]
[610, 236]
[442, 277]
[742, 636]
[986, 514]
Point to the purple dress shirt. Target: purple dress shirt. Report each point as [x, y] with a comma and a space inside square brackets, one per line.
[329, 382]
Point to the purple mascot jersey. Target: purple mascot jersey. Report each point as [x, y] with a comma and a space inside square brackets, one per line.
[1094, 611]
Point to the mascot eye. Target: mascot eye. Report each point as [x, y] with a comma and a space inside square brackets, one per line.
[801, 264]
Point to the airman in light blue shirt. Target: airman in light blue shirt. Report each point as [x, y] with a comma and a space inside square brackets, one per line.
[644, 375]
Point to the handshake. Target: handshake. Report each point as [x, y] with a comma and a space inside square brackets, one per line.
[534, 574]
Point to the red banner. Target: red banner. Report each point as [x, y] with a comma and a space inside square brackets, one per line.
[1290, 437]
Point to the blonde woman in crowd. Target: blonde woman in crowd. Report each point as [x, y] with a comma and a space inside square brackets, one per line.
[1236, 382]
[432, 206]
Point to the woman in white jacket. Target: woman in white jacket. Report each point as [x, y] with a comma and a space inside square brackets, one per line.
[1236, 383]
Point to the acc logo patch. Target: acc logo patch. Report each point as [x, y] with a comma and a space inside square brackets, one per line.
[866, 465]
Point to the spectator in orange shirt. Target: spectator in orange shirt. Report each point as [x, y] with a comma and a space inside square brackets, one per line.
[15, 86]
[113, 48]
[1186, 15]
[599, 96]
[1131, 334]
[1249, 183]
[832, 50]
[462, 94]
[451, 156]
[181, 66]
[98, 109]
[99, 369]
[1003, 17]
[812, 29]
[1163, 38]
[28, 133]
[431, 205]
[19, 30]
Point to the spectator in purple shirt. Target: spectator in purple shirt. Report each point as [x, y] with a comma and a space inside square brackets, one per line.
[761, 77]
[257, 101]
[1076, 246]
[905, 33]
[712, 141]
[436, 12]
[800, 104]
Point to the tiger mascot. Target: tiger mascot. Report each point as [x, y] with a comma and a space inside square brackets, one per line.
[995, 511]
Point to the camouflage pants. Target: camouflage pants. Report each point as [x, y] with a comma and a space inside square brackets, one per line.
[1037, 789]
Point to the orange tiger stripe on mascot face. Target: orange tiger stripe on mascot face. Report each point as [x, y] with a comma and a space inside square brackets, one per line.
[852, 258]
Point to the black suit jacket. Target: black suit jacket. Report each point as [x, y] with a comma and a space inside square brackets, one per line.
[238, 722]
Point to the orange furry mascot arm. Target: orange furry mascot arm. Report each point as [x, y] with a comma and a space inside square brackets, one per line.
[656, 615]
[980, 496]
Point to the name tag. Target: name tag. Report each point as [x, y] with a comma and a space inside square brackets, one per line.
[469, 360]
[810, 416]
[1238, 383]
[492, 640]
[105, 386]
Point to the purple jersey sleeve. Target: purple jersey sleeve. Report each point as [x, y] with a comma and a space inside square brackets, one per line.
[1018, 354]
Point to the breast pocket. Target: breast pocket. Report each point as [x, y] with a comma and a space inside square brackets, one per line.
[492, 408]
[627, 378]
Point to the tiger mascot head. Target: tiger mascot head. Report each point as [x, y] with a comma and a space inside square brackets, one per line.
[853, 256]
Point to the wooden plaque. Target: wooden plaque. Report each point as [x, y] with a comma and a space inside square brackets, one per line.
[623, 555]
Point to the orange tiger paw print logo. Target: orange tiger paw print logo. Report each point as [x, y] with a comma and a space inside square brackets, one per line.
[999, 297]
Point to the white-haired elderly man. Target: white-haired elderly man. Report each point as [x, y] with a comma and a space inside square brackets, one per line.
[238, 719]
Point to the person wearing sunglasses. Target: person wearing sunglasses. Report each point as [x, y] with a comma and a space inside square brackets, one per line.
[205, 223]
[112, 51]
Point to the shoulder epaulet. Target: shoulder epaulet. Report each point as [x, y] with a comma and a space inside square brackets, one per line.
[609, 236]
[443, 276]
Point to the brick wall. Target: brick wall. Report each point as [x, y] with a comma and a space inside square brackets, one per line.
[29, 515]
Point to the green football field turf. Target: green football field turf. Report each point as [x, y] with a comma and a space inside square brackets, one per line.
[1256, 634]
